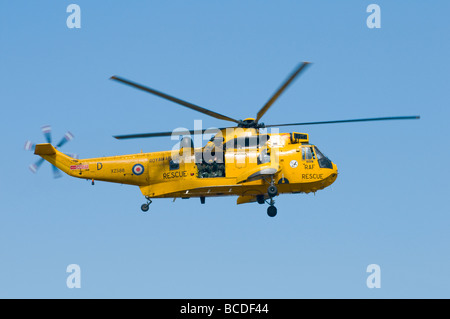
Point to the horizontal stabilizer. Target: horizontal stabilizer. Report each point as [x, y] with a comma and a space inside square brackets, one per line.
[44, 149]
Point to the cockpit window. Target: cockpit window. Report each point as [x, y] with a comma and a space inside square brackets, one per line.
[324, 162]
[319, 153]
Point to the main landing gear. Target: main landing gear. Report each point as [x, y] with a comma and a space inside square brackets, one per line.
[272, 191]
[145, 207]
[271, 210]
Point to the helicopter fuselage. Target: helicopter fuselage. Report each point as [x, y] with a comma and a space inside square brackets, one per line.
[239, 168]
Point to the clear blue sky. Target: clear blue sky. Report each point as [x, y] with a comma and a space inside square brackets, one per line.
[389, 205]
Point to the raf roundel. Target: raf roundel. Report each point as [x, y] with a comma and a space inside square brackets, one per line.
[138, 169]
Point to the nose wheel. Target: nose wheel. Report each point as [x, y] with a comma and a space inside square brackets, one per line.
[272, 191]
[145, 207]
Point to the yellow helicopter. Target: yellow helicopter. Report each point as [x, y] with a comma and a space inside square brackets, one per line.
[245, 160]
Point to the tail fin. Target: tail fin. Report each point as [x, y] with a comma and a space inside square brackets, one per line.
[51, 154]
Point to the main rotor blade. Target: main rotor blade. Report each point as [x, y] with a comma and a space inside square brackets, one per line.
[277, 94]
[175, 100]
[414, 117]
[159, 134]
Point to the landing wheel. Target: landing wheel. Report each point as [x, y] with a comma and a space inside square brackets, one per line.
[260, 199]
[272, 211]
[272, 191]
[144, 207]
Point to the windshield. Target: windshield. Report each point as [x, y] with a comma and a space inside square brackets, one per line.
[324, 162]
[318, 153]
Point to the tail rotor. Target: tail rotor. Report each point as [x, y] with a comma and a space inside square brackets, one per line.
[47, 131]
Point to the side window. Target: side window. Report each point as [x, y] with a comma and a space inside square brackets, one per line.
[307, 153]
[263, 157]
[174, 165]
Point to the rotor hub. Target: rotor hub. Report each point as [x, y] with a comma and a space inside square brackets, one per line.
[250, 123]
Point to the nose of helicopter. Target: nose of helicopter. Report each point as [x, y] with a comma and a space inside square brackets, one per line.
[330, 175]
[334, 173]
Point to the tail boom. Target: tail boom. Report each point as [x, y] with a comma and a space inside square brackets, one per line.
[127, 169]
